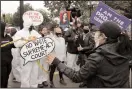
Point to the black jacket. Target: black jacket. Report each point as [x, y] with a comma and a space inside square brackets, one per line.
[130, 57]
[103, 68]
[70, 39]
[6, 56]
[87, 44]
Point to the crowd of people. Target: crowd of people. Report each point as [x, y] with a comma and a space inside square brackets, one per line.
[94, 57]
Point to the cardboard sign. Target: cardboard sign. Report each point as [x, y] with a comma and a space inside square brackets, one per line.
[37, 49]
[35, 16]
[65, 19]
[105, 13]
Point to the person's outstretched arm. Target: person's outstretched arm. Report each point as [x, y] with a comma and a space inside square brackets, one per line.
[85, 72]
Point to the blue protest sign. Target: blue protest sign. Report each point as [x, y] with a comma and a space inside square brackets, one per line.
[105, 13]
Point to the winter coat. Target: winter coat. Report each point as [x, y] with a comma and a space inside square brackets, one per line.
[104, 68]
[6, 56]
[87, 44]
[130, 57]
[70, 39]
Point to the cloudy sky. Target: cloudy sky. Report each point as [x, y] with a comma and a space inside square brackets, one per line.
[11, 6]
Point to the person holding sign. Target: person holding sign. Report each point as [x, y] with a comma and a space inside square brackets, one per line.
[64, 19]
[29, 71]
[108, 65]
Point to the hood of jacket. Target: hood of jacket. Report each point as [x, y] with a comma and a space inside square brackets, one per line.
[109, 52]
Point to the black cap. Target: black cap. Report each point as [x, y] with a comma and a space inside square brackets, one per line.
[110, 29]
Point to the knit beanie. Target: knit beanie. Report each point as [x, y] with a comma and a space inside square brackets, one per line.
[110, 29]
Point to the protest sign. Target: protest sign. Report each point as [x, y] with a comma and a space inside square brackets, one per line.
[65, 19]
[35, 16]
[37, 49]
[105, 13]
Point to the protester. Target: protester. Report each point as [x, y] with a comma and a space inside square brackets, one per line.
[48, 32]
[8, 31]
[43, 75]
[6, 56]
[43, 31]
[59, 44]
[16, 68]
[80, 26]
[108, 66]
[85, 45]
[71, 37]
[29, 72]
[50, 28]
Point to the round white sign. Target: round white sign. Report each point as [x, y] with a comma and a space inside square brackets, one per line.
[36, 50]
[35, 16]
